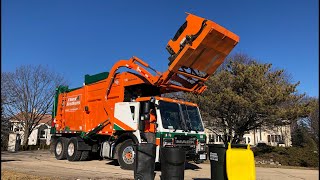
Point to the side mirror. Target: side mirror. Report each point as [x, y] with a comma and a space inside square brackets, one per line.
[152, 100]
[146, 110]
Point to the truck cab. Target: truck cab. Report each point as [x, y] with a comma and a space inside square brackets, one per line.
[167, 123]
[180, 124]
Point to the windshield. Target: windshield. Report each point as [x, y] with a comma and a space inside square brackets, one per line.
[170, 115]
[173, 118]
[192, 117]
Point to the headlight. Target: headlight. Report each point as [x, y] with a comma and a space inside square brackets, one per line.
[202, 147]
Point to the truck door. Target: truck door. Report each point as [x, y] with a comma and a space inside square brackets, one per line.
[126, 114]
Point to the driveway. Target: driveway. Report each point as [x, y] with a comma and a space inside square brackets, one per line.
[42, 163]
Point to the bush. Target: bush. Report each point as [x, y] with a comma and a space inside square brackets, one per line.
[289, 156]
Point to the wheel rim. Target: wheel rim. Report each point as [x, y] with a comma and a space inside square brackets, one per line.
[59, 148]
[70, 149]
[128, 155]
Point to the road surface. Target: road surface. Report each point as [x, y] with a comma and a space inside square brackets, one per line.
[42, 163]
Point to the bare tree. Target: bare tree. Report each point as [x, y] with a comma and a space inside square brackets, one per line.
[29, 93]
[5, 127]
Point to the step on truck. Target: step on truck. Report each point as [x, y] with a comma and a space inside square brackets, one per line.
[114, 110]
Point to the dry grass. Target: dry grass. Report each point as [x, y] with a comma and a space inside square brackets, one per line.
[12, 175]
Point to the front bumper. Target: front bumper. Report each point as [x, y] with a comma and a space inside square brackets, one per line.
[201, 155]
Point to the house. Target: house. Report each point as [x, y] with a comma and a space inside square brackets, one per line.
[40, 134]
[273, 136]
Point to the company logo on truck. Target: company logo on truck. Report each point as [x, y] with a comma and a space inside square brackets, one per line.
[73, 101]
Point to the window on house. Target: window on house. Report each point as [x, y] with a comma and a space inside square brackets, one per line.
[279, 138]
[248, 140]
[272, 138]
[43, 134]
[211, 138]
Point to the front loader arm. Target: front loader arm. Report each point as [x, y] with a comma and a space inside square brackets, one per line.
[133, 63]
[198, 48]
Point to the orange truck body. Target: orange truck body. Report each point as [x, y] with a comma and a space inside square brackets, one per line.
[204, 54]
[196, 51]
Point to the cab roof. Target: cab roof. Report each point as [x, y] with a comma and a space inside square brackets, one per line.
[167, 100]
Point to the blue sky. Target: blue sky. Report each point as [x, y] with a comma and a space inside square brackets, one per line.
[78, 37]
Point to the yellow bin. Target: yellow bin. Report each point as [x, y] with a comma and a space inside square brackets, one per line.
[240, 163]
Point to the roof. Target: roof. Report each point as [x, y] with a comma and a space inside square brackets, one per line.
[45, 119]
[166, 99]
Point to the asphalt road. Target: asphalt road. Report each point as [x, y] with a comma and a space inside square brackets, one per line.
[42, 163]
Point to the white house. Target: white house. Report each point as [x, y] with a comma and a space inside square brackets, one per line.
[273, 136]
[40, 133]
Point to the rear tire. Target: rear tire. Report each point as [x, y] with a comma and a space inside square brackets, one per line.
[73, 154]
[60, 148]
[126, 155]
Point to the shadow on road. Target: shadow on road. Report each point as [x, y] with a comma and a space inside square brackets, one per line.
[201, 179]
[188, 166]
[114, 163]
[191, 166]
[8, 160]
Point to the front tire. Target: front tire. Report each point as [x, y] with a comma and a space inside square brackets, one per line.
[126, 155]
[73, 154]
[60, 148]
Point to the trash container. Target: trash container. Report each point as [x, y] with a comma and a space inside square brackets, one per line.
[240, 162]
[172, 161]
[217, 157]
[145, 154]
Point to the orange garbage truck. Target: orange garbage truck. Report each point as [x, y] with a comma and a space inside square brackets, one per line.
[114, 110]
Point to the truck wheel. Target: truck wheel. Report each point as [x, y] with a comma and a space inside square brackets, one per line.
[72, 150]
[85, 155]
[126, 155]
[60, 151]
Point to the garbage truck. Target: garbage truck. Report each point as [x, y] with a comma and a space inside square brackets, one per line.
[114, 110]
